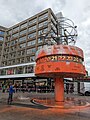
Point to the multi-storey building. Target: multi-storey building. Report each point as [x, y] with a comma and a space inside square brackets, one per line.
[19, 44]
[2, 31]
[22, 41]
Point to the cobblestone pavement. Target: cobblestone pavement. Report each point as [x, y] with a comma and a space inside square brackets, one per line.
[32, 112]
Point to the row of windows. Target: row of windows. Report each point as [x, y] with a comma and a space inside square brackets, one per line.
[54, 27]
[28, 51]
[30, 23]
[19, 53]
[17, 70]
[30, 35]
[19, 60]
[53, 19]
[22, 45]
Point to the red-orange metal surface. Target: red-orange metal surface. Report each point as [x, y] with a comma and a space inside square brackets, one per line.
[59, 61]
[59, 49]
[59, 90]
[60, 69]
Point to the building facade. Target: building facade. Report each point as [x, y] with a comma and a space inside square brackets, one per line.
[2, 32]
[19, 44]
[22, 41]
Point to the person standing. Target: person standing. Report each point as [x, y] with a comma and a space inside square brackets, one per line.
[11, 91]
[67, 88]
[3, 88]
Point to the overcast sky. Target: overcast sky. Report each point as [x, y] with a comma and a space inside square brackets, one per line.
[14, 11]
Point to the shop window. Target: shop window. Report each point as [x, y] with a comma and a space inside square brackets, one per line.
[10, 72]
[29, 69]
[3, 72]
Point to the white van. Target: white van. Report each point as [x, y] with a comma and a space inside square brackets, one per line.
[85, 88]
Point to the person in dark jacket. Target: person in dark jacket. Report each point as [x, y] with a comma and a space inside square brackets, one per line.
[11, 91]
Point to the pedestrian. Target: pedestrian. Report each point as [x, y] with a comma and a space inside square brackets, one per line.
[71, 88]
[3, 88]
[67, 88]
[11, 91]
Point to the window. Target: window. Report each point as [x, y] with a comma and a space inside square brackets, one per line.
[0, 44]
[22, 45]
[33, 50]
[32, 28]
[32, 35]
[4, 63]
[45, 30]
[19, 53]
[39, 40]
[15, 29]
[29, 69]
[41, 32]
[10, 71]
[42, 24]
[6, 56]
[19, 70]
[7, 50]
[32, 58]
[12, 43]
[8, 38]
[54, 27]
[18, 61]
[24, 25]
[31, 43]
[8, 44]
[22, 60]
[23, 52]
[32, 21]
[23, 32]
[15, 35]
[13, 61]
[53, 19]
[2, 32]
[53, 33]
[39, 47]
[1, 38]
[43, 16]
[30, 51]
[13, 48]
[28, 59]
[22, 39]
[16, 41]
[10, 32]
[3, 72]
